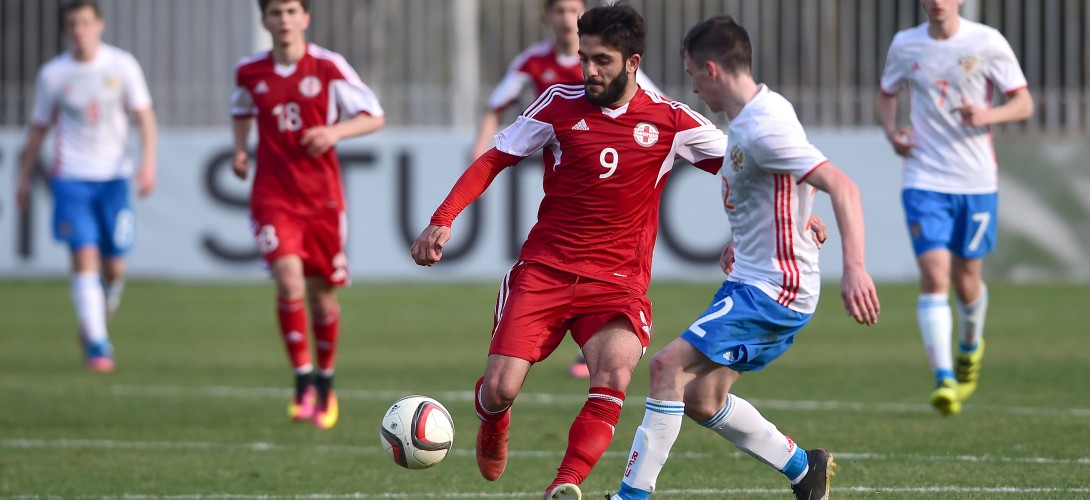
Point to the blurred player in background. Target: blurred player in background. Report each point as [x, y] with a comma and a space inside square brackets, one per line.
[297, 93]
[773, 281]
[952, 65]
[586, 264]
[88, 92]
[544, 64]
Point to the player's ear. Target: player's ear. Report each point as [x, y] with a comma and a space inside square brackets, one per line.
[713, 69]
[633, 63]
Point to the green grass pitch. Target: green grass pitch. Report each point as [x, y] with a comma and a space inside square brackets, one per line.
[196, 408]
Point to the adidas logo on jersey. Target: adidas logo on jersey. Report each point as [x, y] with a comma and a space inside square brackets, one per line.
[582, 125]
[261, 88]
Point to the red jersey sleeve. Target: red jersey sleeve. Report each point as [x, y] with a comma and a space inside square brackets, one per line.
[471, 184]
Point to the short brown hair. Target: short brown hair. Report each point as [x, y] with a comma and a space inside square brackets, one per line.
[74, 5]
[721, 39]
[619, 26]
[264, 4]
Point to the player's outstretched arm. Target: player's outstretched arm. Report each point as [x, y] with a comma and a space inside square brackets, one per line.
[318, 140]
[34, 137]
[901, 139]
[428, 247]
[856, 287]
[241, 131]
[146, 178]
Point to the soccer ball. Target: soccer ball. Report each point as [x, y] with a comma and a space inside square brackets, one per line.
[417, 432]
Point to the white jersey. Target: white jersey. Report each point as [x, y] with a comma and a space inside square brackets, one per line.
[768, 207]
[89, 102]
[950, 157]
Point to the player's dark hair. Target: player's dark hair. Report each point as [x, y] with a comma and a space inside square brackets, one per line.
[721, 39]
[264, 4]
[619, 26]
[74, 5]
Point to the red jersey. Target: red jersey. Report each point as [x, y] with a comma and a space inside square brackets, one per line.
[541, 65]
[599, 216]
[286, 101]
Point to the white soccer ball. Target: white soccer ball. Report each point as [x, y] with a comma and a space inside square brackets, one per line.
[417, 432]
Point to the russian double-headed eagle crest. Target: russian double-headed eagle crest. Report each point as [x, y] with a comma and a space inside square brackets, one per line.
[737, 158]
[968, 63]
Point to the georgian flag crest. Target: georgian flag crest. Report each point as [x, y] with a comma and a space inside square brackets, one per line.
[646, 134]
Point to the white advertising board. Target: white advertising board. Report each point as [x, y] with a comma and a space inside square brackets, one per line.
[196, 225]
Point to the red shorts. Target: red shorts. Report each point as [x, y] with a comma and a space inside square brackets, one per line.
[538, 304]
[316, 238]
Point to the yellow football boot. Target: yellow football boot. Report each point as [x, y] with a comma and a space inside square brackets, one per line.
[945, 398]
[967, 369]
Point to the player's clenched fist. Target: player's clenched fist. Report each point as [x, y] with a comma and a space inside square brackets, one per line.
[428, 247]
[241, 164]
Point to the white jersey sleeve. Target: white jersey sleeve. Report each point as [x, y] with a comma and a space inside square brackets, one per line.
[242, 103]
[897, 68]
[705, 142]
[45, 101]
[350, 93]
[508, 90]
[1004, 69]
[525, 137]
[137, 95]
[784, 149]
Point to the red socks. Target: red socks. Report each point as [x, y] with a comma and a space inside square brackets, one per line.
[326, 332]
[293, 327]
[590, 434]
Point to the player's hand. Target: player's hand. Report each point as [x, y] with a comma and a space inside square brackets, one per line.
[972, 116]
[859, 295]
[241, 164]
[318, 140]
[903, 142]
[818, 228]
[146, 180]
[22, 194]
[726, 261]
[428, 247]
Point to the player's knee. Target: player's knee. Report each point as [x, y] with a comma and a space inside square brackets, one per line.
[498, 391]
[662, 367]
[290, 286]
[323, 305]
[934, 283]
[615, 378]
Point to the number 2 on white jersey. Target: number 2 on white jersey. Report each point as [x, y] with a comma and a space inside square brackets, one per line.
[288, 118]
[983, 218]
[609, 158]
